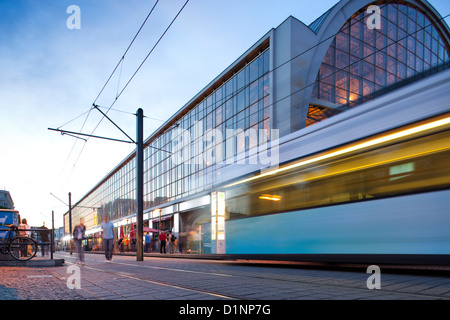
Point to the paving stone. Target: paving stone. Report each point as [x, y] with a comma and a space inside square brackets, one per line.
[156, 278]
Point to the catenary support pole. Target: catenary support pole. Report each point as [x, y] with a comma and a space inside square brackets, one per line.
[52, 235]
[140, 184]
[70, 222]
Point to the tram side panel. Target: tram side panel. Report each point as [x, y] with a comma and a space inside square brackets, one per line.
[412, 224]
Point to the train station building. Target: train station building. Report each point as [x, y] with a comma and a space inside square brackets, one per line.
[294, 79]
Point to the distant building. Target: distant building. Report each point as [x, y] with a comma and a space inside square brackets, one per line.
[59, 233]
[6, 201]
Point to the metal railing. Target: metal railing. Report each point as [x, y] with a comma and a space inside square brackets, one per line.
[44, 238]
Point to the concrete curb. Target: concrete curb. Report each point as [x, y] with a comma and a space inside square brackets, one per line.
[35, 263]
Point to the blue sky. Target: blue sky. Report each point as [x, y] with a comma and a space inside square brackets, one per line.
[51, 75]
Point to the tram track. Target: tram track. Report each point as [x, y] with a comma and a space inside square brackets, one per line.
[166, 284]
[122, 274]
[302, 283]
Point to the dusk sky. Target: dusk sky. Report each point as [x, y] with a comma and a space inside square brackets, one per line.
[51, 75]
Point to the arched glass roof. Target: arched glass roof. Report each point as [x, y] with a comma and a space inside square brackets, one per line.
[361, 60]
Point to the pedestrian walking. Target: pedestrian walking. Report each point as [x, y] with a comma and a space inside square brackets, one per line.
[120, 244]
[172, 242]
[125, 243]
[162, 239]
[153, 243]
[44, 238]
[108, 237]
[147, 240]
[79, 236]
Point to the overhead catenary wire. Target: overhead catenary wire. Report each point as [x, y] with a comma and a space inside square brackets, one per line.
[226, 97]
[149, 53]
[129, 81]
[284, 63]
[361, 59]
[140, 66]
[336, 69]
[365, 57]
[125, 53]
[112, 109]
[73, 147]
[120, 62]
[130, 113]
[76, 118]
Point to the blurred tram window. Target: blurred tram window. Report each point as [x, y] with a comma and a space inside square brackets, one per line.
[416, 165]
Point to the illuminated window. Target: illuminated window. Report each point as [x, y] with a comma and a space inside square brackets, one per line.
[401, 171]
[361, 61]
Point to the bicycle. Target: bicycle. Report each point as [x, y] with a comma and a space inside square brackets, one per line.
[22, 248]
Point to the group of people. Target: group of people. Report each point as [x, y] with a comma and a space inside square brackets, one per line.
[124, 242]
[167, 240]
[108, 239]
[107, 226]
[43, 232]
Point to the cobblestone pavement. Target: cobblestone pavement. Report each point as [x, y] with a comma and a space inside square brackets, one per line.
[18, 283]
[186, 279]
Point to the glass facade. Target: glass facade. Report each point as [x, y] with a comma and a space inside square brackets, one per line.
[361, 61]
[241, 102]
[115, 197]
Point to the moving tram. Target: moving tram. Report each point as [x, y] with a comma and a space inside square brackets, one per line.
[369, 185]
